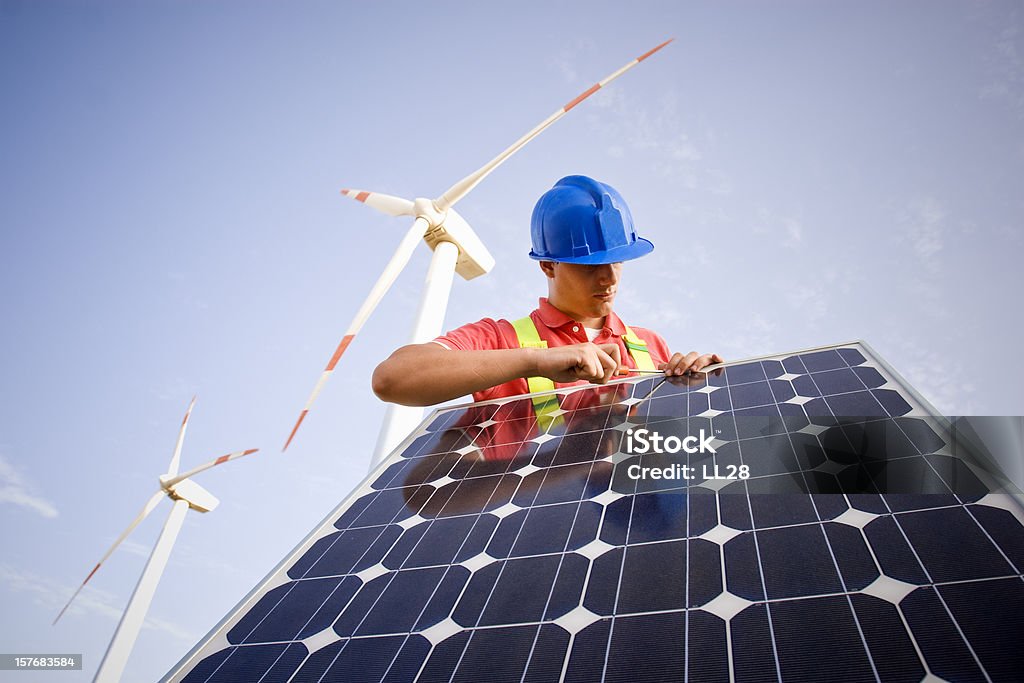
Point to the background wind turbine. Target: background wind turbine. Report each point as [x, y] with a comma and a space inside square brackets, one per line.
[457, 249]
[186, 494]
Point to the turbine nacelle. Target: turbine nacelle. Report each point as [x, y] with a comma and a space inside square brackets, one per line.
[198, 498]
[448, 226]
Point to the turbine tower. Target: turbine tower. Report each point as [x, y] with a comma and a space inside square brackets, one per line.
[457, 249]
[186, 494]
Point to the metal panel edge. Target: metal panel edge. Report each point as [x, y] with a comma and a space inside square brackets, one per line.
[949, 426]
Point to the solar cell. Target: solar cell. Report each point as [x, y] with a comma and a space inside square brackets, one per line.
[494, 545]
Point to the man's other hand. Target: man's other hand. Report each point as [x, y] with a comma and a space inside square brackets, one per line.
[595, 363]
[680, 364]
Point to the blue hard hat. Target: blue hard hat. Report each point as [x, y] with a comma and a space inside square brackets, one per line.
[581, 220]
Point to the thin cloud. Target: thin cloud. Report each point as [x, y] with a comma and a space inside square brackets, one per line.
[1011, 233]
[175, 389]
[565, 61]
[932, 300]
[944, 384]
[924, 225]
[717, 181]
[17, 490]
[925, 228]
[133, 548]
[757, 337]
[818, 294]
[1006, 69]
[50, 595]
[564, 65]
[683, 149]
[171, 629]
[810, 299]
[657, 131]
[204, 563]
[788, 230]
[694, 255]
[794, 231]
[653, 316]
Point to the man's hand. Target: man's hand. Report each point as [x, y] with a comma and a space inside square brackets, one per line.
[680, 364]
[595, 363]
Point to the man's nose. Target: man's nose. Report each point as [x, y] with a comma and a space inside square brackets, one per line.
[607, 274]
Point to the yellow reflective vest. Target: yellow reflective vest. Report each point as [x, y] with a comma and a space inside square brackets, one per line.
[529, 338]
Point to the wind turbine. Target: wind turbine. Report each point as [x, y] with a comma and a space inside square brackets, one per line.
[186, 494]
[457, 249]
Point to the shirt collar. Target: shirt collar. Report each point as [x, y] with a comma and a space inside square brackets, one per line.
[553, 318]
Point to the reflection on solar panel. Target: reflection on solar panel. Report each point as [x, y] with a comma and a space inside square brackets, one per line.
[496, 546]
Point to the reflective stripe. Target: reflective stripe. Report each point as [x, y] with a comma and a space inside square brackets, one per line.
[637, 348]
[529, 338]
[543, 406]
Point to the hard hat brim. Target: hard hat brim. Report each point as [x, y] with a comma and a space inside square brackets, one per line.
[628, 252]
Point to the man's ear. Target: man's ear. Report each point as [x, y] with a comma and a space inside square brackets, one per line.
[549, 268]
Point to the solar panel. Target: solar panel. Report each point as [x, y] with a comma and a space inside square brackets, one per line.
[825, 526]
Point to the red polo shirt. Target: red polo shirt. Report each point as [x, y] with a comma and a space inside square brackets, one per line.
[557, 329]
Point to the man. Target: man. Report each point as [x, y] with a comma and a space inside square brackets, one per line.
[582, 231]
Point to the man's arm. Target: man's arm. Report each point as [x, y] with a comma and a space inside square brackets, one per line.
[425, 374]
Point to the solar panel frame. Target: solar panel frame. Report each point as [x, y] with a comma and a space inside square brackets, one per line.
[217, 640]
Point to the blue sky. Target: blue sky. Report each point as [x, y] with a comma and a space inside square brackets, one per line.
[170, 224]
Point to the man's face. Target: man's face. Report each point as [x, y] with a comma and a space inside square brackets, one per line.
[586, 291]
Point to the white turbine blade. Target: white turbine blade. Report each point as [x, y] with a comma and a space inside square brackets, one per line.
[172, 469]
[150, 504]
[387, 278]
[213, 463]
[393, 206]
[461, 188]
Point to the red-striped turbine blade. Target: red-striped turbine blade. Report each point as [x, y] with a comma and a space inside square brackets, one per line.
[393, 206]
[462, 188]
[172, 469]
[391, 271]
[146, 509]
[213, 463]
